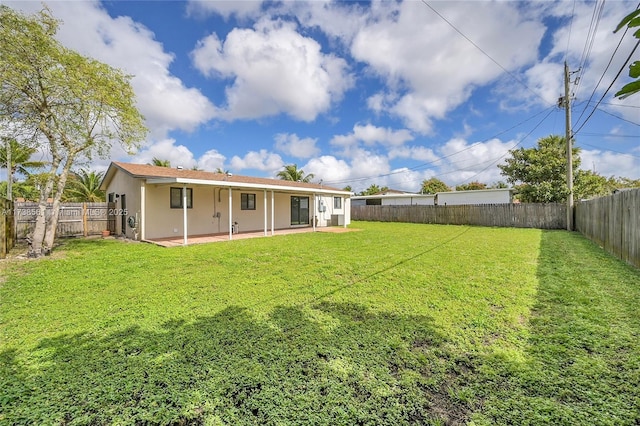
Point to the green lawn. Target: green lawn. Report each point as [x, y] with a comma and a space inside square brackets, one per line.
[394, 324]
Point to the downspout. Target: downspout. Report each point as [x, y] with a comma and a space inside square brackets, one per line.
[273, 203]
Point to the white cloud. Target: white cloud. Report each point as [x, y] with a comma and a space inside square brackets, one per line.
[607, 163]
[211, 161]
[329, 169]
[123, 43]
[292, 145]
[463, 162]
[368, 164]
[371, 135]
[226, 9]
[274, 70]
[178, 155]
[258, 160]
[433, 67]
[339, 20]
[419, 153]
[568, 42]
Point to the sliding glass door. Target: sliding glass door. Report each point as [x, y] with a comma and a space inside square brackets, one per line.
[299, 210]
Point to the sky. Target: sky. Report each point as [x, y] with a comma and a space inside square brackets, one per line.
[358, 93]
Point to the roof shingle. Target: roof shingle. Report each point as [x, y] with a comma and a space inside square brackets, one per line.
[149, 171]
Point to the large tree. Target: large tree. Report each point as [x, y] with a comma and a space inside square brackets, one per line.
[434, 185]
[293, 173]
[540, 173]
[471, 186]
[76, 106]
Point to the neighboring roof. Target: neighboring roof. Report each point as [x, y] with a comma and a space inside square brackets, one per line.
[472, 191]
[392, 191]
[158, 175]
[402, 195]
[408, 195]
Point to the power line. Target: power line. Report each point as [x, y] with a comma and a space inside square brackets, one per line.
[618, 117]
[610, 150]
[573, 13]
[603, 74]
[591, 35]
[620, 105]
[505, 154]
[609, 135]
[607, 91]
[424, 165]
[485, 53]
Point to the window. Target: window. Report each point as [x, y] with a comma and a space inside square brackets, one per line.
[337, 202]
[247, 201]
[374, 201]
[176, 198]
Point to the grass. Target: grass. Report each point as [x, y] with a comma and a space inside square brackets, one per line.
[395, 324]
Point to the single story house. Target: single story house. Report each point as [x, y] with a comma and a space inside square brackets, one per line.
[154, 202]
[394, 199]
[453, 198]
[480, 196]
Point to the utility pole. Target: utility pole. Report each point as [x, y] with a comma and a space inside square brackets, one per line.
[568, 139]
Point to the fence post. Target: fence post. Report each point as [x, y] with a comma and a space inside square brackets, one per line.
[7, 227]
[85, 231]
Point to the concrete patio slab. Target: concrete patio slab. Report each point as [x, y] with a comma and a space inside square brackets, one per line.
[216, 238]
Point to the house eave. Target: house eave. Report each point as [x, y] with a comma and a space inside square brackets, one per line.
[243, 185]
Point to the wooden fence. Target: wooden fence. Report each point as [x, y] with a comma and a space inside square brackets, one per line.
[75, 219]
[7, 227]
[524, 215]
[613, 222]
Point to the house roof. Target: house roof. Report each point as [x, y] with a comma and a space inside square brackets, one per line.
[402, 195]
[392, 192]
[160, 175]
[409, 195]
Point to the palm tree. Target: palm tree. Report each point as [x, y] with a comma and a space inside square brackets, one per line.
[292, 173]
[84, 186]
[160, 163]
[20, 157]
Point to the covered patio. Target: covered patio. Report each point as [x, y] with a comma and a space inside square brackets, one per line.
[219, 237]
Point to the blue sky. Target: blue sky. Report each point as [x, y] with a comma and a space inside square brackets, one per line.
[356, 93]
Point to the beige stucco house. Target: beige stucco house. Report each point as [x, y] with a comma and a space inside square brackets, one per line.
[153, 202]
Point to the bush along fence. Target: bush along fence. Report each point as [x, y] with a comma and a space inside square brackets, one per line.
[613, 222]
[524, 215]
[75, 219]
[7, 227]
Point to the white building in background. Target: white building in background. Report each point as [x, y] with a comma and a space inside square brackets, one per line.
[454, 198]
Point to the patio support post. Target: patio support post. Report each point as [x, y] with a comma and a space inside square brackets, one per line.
[273, 203]
[313, 213]
[230, 215]
[347, 210]
[265, 212]
[184, 212]
[143, 210]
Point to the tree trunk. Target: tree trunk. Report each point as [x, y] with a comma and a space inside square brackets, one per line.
[52, 223]
[41, 221]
